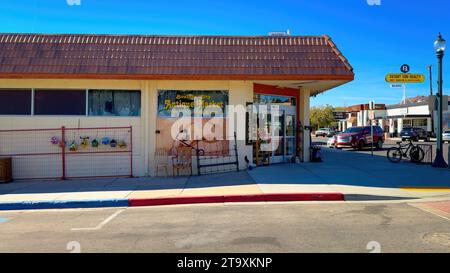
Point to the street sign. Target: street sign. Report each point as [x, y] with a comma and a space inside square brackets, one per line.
[397, 85]
[404, 68]
[405, 78]
[340, 115]
[371, 115]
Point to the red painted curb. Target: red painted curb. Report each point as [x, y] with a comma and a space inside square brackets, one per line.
[272, 197]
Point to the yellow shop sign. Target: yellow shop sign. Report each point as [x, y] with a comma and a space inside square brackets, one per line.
[405, 78]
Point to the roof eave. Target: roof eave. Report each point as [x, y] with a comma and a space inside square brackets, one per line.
[346, 78]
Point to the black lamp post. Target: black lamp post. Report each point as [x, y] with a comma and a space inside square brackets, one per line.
[439, 162]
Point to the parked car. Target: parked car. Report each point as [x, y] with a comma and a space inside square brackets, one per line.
[446, 136]
[360, 136]
[332, 133]
[324, 132]
[415, 134]
[331, 142]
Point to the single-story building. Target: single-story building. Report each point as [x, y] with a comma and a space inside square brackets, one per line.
[414, 113]
[358, 115]
[134, 81]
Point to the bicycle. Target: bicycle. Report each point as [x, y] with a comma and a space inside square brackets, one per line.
[396, 154]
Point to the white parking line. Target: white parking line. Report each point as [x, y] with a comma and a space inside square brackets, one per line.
[99, 226]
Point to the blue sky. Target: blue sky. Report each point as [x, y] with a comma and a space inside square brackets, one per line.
[376, 39]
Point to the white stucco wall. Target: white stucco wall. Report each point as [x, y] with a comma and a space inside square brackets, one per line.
[144, 127]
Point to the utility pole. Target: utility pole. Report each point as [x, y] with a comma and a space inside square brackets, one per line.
[431, 97]
[431, 79]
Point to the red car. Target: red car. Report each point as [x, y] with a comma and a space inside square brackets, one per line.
[359, 137]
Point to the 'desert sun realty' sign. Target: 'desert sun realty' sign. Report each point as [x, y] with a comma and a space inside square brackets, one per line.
[405, 78]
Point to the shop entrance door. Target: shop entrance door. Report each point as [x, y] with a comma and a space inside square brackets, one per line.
[282, 136]
[284, 141]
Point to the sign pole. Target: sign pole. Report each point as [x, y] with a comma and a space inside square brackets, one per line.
[371, 133]
[371, 109]
[404, 93]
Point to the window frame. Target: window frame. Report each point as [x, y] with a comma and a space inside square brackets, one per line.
[31, 102]
[56, 90]
[33, 90]
[110, 89]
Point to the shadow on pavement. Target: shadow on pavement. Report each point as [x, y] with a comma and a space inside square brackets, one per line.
[338, 168]
[365, 197]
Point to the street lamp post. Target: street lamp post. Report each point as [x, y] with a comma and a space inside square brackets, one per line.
[439, 161]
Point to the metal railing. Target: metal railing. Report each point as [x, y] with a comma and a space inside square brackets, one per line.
[69, 152]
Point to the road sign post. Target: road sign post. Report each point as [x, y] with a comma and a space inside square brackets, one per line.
[371, 118]
[403, 78]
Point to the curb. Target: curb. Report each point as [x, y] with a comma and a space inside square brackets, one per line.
[164, 201]
[63, 204]
[274, 197]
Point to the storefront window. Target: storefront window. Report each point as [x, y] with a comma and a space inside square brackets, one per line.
[60, 102]
[114, 103]
[15, 102]
[214, 103]
[419, 122]
[271, 99]
[407, 123]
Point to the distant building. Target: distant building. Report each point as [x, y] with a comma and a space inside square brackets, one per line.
[358, 115]
[414, 113]
[393, 118]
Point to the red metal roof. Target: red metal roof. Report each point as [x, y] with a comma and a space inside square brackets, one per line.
[172, 57]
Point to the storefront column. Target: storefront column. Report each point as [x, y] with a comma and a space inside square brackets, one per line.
[305, 120]
[399, 125]
[391, 126]
[145, 126]
[152, 100]
[241, 92]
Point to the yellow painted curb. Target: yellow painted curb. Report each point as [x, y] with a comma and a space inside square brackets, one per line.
[440, 189]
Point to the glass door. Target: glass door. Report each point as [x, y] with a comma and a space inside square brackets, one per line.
[284, 142]
[290, 135]
[276, 139]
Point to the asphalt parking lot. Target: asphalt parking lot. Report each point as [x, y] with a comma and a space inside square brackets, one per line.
[273, 228]
[388, 143]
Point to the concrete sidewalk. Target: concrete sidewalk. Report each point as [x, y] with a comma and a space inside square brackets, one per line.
[356, 176]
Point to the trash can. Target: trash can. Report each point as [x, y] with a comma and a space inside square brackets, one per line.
[315, 154]
[5, 169]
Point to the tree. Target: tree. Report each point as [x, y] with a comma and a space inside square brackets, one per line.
[322, 116]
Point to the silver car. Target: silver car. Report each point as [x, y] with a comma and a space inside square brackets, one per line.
[331, 142]
[446, 136]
